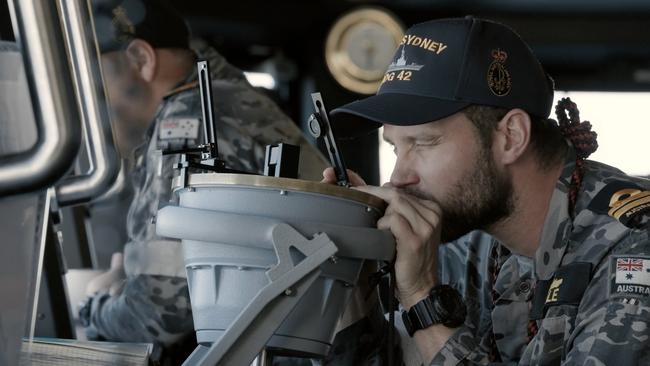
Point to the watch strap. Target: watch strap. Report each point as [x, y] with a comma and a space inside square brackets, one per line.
[429, 311]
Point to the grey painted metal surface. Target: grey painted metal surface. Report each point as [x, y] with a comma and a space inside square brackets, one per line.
[84, 56]
[355, 242]
[244, 339]
[41, 40]
[228, 243]
[21, 217]
[17, 125]
[21, 221]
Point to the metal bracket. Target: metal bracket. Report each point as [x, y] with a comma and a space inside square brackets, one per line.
[320, 128]
[282, 160]
[255, 325]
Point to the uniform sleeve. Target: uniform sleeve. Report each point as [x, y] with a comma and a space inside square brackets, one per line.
[611, 328]
[617, 331]
[463, 265]
[153, 309]
[461, 349]
[617, 334]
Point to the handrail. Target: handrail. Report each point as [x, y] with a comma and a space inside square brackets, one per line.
[40, 37]
[104, 161]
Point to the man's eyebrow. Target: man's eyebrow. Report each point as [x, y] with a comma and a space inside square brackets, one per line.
[425, 136]
[420, 137]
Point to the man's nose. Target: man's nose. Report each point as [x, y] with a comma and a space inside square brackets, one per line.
[403, 175]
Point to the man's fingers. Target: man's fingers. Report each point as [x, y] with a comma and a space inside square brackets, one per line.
[384, 193]
[400, 228]
[429, 210]
[106, 280]
[423, 216]
[116, 288]
[402, 203]
[355, 179]
[117, 260]
[407, 240]
[421, 219]
[329, 176]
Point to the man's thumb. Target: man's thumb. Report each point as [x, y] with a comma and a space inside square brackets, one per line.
[117, 260]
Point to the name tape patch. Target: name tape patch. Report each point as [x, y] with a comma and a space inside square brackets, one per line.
[566, 287]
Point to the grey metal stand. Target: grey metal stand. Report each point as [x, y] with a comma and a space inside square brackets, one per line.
[251, 330]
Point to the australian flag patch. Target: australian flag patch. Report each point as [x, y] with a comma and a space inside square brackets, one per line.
[179, 128]
[630, 276]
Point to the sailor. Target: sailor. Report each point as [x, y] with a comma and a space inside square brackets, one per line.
[476, 150]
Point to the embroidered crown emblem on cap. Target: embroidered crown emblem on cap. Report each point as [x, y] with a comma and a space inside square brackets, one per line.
[498, 77]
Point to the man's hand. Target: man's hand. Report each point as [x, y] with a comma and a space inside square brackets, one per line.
[110, 281]
[415, 223]
[330, 177]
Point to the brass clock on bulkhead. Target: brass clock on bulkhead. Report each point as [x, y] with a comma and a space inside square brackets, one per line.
[360, 46]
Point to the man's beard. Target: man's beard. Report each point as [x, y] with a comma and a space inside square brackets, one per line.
[480, 199]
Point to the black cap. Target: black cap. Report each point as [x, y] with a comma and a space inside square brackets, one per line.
[443, 66]
[118, 22]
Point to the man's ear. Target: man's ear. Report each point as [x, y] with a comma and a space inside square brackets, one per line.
[143, 57]
[512, 136]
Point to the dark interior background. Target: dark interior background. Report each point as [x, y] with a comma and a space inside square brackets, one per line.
[590, 45]
[584, 45]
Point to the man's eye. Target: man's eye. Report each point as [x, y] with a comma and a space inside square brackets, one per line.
[426, 143]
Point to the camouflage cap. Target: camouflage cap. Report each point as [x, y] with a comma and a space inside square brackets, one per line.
[118, 22]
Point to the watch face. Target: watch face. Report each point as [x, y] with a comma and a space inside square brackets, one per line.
[360, 46]
[449, 303]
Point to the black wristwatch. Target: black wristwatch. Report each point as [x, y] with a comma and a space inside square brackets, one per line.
[444, 305]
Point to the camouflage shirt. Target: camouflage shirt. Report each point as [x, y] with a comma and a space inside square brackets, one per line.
[463, 264]
[466, 265]
[592, 271]
[154, 303]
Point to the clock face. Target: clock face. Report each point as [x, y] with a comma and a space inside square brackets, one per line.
[360, 46]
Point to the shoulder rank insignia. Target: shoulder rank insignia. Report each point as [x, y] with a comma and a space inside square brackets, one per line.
[624, 201]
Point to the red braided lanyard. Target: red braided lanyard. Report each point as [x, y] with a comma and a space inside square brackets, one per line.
[584, 143]
[495, 254]
[583, 140]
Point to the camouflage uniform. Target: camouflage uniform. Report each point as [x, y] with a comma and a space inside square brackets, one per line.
[592, 295]
[154, 303]
[466, 264]
[463, 264]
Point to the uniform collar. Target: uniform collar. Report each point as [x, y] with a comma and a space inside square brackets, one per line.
[181, 88]
[557, 225]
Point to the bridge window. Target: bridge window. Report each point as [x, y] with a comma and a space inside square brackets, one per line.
[621, 120]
